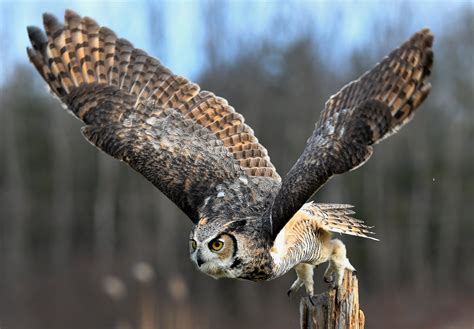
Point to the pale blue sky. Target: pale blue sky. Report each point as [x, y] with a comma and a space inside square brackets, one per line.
[342, 25]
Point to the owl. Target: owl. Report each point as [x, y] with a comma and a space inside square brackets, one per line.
[192, 145]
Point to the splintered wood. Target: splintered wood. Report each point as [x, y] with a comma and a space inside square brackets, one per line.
[335, 308]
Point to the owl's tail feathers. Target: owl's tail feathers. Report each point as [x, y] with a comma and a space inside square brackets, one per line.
[338, 218]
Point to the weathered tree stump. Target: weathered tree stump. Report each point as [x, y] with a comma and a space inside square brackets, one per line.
[335, 308]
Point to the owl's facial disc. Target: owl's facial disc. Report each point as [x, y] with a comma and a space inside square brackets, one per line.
[214, 256]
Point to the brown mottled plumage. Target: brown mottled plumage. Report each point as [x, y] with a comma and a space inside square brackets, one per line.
[198, 151]
[136, 110]
[364, 112]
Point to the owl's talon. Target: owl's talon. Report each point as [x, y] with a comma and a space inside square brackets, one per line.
[328, 278]
[294, 287]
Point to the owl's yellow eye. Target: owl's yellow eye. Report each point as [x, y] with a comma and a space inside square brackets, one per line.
[216, 244]
[193, 244]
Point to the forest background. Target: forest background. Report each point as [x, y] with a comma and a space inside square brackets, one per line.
[85, 242]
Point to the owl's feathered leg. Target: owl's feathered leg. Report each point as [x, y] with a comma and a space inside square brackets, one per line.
[338, 262]
[304, 274]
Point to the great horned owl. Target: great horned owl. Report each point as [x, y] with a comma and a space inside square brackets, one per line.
[197, 150]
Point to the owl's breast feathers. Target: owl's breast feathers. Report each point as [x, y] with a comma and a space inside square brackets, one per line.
[302, 238]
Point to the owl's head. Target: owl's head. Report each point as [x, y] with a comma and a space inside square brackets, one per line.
[218, 250]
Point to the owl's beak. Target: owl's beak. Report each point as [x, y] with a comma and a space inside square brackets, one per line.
[199, 260]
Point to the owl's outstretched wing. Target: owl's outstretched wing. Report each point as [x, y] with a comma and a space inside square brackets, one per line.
[364, 112]
[187, 142]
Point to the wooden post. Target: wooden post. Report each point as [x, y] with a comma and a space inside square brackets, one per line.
[335, 308]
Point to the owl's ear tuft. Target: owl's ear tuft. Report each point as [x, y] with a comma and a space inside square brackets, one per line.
[236, 225]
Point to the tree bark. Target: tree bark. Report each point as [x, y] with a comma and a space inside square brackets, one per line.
[335, 308]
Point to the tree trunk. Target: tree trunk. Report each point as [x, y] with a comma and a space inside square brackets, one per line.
[62, 195]
[335, 308]
[105, 211]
